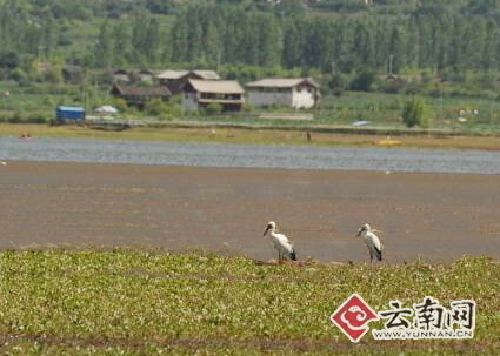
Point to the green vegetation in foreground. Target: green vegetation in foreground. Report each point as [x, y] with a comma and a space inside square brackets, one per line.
[145, 302]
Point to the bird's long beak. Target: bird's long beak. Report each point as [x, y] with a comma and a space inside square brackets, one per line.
[359, 233]
[265, 232]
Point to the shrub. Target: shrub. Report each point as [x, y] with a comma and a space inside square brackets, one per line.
[19, 75]
[416, 113]
[174, 110]
[53, 75]
[36, 118]
[16, 117]
[213, 109]
[155, 107]
[337, 84]
[337, 91]
[364, 81]
[120, 104]
[247, 108]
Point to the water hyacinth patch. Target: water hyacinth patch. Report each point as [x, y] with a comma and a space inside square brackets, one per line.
[135, 302]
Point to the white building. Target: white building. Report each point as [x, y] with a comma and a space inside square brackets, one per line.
[296, 93]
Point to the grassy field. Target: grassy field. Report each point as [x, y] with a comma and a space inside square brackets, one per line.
[36, 102]
[283, 137]
[141, 301]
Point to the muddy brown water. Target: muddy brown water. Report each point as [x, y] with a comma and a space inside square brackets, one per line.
[438, 216]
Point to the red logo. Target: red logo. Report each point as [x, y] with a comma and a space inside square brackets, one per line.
[353, 316]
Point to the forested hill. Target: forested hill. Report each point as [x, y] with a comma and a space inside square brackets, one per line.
[342, 35]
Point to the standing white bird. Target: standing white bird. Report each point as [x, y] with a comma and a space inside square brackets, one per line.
[281, 243]
[372, 242]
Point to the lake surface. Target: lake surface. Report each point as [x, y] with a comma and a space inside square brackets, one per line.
[234, 156]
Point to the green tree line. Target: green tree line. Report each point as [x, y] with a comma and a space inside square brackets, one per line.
[444, 41]
[447, 38]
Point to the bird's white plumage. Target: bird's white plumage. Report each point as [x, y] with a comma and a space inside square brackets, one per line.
[372, 242]
[281, 242]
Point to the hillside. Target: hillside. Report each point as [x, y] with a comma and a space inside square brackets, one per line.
[340, 35]
[446, 53]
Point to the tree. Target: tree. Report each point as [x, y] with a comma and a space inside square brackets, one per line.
[416, 113]
[159, 6]
[337, 84]
[342, 45]
[121, 39]
[290, 8]
[364, 45]
[50, 35]
[141, 42]
[396, 51]
[9, 60]
[412, 48]
[363, 81]
[53, 75]
[152, 41]
[103, 52]
[488, 57]
[270, 39]
[18, 74]
[195, 38]
[292, 44]
[180, 39]
[213, 48]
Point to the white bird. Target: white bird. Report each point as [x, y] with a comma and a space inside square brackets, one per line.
[281, 243]
[372, 242]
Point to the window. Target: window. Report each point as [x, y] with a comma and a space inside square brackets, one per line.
[208, 96]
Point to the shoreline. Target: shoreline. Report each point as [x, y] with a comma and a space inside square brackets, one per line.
[257, 136]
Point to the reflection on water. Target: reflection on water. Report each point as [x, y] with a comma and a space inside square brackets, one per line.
[217, 155]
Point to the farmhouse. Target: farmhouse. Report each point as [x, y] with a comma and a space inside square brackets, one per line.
[145, 75]
[295, 93]
[138, 96]
[175, 79]
[201, 93]
[121, 75]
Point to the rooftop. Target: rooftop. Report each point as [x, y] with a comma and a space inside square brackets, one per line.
[178, 74]
[282, 83]
[217, 86]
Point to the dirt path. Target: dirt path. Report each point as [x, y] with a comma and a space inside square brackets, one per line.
[439, 216]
